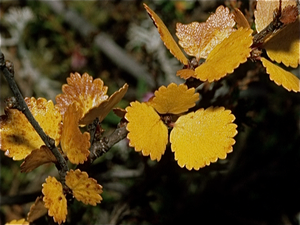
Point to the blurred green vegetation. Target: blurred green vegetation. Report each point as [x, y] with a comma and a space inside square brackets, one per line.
[257, 184]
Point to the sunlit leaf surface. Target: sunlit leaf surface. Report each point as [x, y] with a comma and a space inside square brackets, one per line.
[17, 136]
[174, 99]
[74, 143]
[88, 93]
[226, 56]
[147, 132]
[200, 138]
[198, 39]
[281, 77]
[55, 200]
[84, 189]
[166, 37]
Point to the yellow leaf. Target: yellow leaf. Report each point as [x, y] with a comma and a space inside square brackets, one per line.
[147, 132]
[74, 143]
[84, 189]
[198, 39]
[226, 56]
[55, 200]
[105, 107]
[284, 46]
[200, 138]
[37, 210]
[18, 137]
[264, 12]
[88, 93]
[185, 73]
[21, 222]
[36, 158]
[174, 99]
[281, 77]
[166, 37]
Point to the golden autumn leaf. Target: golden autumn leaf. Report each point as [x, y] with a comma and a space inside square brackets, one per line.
[37, 210]
[212, 138]
[74, 143]
[105, 107]
[264, 12]
[37, 158]
[84, 189]
[185, 73]
[19, 138]
[55, 200]
[166, 37]
[174, 99]
[147, 132]
[284, 46]
[21, 222]
[281, 77]
[88, 93]
[198, 39]
[226, 56]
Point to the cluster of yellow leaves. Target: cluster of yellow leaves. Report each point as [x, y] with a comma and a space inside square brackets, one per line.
[197, 138]
[82, 101]
[283, 46]
[84, 189]
[215, 40]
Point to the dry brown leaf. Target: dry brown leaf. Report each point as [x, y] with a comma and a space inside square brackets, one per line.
[36, 158]
[37, 210]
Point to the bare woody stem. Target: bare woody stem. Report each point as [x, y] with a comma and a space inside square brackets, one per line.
[22, 106]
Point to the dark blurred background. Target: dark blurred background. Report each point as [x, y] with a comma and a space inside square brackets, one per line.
[258, 183]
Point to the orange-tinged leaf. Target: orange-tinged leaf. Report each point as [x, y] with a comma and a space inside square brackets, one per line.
[265, 11]
[281, 77]
[84, 189]
[36, 158]
[185, 73]
[147, 132]
[74, 143]
[198, 39]
[21, 222]
[18, 137]
[37, 210]
[200, 138]
[226, 56]
[166, 37]
[105, 107]
[174, 99]
[119, 112]
[240, 19]
[284, 46]
[88, 93]
[55, 200]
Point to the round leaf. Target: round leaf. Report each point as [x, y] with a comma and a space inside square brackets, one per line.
[200, 138]
[147, 133]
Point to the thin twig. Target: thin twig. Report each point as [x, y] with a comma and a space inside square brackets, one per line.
[22, 106]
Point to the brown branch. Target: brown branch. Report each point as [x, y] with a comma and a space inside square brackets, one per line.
[7, 68]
